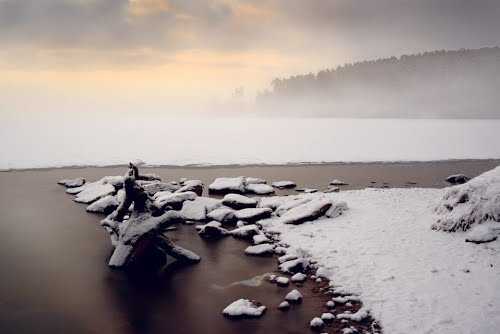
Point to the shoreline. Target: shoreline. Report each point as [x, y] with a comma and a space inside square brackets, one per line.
[257, 165]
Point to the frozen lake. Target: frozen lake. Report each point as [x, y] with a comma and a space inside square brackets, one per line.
[42, 142]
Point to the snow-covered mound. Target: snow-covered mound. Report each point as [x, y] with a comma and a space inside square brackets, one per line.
[410, 278]
[474, 202]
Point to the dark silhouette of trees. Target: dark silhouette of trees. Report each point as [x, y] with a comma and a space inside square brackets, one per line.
[462, 83]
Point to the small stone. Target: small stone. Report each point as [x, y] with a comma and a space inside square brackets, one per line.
[294, 296]
[316, 323]
[284, 305]
[282, 281]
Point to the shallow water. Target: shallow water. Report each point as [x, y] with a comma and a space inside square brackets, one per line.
[53, 255]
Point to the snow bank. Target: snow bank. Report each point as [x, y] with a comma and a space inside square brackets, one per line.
[244, 308]
[411, 278]
[474, 202]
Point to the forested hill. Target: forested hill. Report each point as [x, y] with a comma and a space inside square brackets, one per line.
[441, 84]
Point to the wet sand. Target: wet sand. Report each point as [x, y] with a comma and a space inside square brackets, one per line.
[53, 255]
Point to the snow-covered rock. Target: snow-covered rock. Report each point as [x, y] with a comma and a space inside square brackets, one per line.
[294, 296]
[93, 191]
[237, 201]
[197, 209]
[72, 183]
[212, 230]
[245, 232]
[259, 189]
[337, 182]
[195, 186]
[253, 214]
[330, 304]
[174, 200]
[244, 308]
[284, 184]
[307, 211]
[307, 190]
[332, 189]
[105, 204]
[224, 215]
[261, 239]
[316, 323]
[474, 202]
[457, 179]
[482, 233]
[336, 209]
[294, 266]
[228, 185]
[284, 305]
[273, 202]
[360, 315]
[327, 316]
[152, 187]
[262, 249]
[282, 281]
[292, 203]
[298, 278]
[254, 180]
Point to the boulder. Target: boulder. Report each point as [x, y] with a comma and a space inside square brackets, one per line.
[475, 202]
[259, 189]
[254, 180]
[195, 186]
[224, 215]
[245, 232]
[237, 201]
[224, 185]
[294, 296]
[306, 212]
[260, 250]
[72, 183]
[253, 214]
[284, 184]
[106, 204]
[174, 200]
[337, 182]
[197, 209]
[457, 179]
[212, 230]
[294, 266]
[93, 191]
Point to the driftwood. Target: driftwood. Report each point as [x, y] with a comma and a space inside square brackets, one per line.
[135, 232]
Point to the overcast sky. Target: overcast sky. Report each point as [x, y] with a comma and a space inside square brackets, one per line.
[116, 54]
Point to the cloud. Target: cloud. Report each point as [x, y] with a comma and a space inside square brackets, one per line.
[148, 29]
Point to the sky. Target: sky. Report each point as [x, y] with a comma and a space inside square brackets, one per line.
[174, 56]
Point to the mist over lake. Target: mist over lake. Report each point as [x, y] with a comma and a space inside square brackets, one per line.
[69, 141]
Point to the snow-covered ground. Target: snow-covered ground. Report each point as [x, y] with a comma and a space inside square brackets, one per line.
[411, 278]
[59, 140]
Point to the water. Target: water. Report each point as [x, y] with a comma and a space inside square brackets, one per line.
[41, 141]
[55, 278]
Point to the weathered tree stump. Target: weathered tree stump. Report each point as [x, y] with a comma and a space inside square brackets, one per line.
[134, 237]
